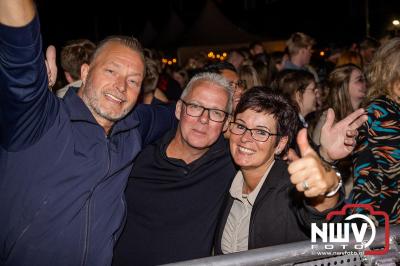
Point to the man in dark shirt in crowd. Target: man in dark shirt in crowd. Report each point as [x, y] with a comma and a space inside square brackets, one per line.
[179, 183]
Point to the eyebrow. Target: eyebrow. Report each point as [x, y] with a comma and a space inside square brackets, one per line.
[257, 127]
[117, 65]
[200, 104]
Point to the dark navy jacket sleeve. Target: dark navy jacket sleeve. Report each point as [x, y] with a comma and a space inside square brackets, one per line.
[155, 120]
[27, 107]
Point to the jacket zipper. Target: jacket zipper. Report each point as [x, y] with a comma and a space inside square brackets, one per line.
[87, 226]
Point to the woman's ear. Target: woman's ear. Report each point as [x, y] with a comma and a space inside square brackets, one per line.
[299, 97]
[281, 145]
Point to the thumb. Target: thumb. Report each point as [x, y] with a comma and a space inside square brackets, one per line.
[330, 118]
[51, 53]
[303, 144]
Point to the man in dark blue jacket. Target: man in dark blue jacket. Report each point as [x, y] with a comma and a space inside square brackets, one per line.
[64, 163]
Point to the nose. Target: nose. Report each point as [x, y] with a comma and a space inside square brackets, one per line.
[246, 137]
[204, 118]
[120, 84]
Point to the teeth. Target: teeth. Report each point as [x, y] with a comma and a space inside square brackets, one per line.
[114, 98]
[245, 150]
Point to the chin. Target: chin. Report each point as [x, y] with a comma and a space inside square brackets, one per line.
[200, 145]
[241, 161]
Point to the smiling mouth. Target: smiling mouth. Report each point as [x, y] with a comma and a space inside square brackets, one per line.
[246, 150]
[113, 98]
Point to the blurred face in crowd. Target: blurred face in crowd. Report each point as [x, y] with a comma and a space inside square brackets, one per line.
[111, 84]
[236, 84]
[200, 132]
[254, 150]
[258, 49]
[368, 54]
[308, 100]
[307, 53]
[357, 87]
[179, 78]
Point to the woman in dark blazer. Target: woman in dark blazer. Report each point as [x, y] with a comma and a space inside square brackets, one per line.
[269, 202]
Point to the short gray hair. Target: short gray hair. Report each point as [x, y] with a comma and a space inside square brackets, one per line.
[213, 78]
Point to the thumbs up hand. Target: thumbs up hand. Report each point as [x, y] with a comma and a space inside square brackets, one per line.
[308, 173]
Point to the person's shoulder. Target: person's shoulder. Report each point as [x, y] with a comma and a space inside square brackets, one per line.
[379, 107]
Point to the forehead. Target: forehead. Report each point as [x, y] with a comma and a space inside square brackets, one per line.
[119, 54]
[209, 95]
[257, 119]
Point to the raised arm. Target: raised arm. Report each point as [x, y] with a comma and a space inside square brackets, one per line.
[27, 108]
[16, 13]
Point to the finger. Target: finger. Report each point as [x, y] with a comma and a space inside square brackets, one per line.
[350, 142]
[302, 142]
[51, 53]
[359, 122]
[51, 62]
[296, 166]
[308, 162]
[291, 156]
[353, 117]
[351, 133]
[299, 176]
[313, 192]
[330, 118]
[300, 187]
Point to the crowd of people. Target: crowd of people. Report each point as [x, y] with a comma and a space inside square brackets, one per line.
[136, 163]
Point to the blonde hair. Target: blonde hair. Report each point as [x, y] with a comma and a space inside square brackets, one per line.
[250, 76]
[297, 41]
[384, 71]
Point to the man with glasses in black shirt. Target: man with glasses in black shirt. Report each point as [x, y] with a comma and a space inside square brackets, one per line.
[178, 193]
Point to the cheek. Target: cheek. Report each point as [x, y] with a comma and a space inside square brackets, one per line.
[216, 130]
[133, 94]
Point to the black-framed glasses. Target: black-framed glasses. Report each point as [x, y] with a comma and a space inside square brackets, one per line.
[196, 110]
[256, 133]
[238, 84]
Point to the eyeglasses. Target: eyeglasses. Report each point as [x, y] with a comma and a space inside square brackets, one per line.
[257, 134]
[195, 110]
[239, 84]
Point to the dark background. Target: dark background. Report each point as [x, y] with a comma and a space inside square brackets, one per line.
[339, 21]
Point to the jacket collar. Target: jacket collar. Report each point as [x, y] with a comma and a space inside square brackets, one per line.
[78, 111]
[277, 177]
